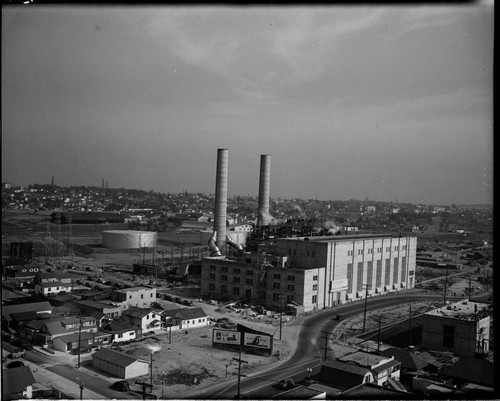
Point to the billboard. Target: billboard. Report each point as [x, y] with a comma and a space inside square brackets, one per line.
[257, 340]
[226, 337]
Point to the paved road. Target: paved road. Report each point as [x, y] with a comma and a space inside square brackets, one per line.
[309, 352]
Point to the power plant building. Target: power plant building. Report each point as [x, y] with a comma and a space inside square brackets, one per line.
[311, 273]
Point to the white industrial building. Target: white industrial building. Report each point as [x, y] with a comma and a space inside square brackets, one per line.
[310, 273]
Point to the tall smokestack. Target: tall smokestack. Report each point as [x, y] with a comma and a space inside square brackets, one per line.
[221, 198]
[264, 190]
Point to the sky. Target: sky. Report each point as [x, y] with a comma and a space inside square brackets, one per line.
[385, 102]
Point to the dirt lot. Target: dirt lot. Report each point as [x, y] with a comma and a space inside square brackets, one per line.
[190, 355]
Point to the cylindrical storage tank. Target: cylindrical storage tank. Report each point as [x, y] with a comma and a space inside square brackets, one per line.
[221, 197]
[128, 239]
[264, 190]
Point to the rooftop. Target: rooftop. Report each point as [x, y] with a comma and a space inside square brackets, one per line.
[365, 359]
[463, 310]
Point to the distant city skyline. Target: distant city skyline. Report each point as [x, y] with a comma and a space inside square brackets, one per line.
[351, 102]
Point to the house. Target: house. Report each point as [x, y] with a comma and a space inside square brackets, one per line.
[52, 283]
[140, 297]
[471, 370]
[118, 364]
[50, 329]
[343, 376]
[109, 310]
[145, 319]
[122, 331]
[385, 369]
[17, 383]
[37, 307]
[186, 318]
[24, 272]
[85, 339]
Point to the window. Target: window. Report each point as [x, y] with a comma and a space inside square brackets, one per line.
[249, 281]
[396, 271]
[378, 274]
[369, 273]
[249, 272]
[130, 297]
[223, 289]
[277, 276]
[224, 277]
[387, 272]
[236, 279]
[315, 278]
[211, 276]
[370, 251]
[211, 286]
[142, 296]
[291, 278]
[212, 267]
[360, 252]
[276, 286]
[276, 296]
[236, 271]
[224, 269]
[236, 291]
[314, 299]
[151, 295]
[290, 287]
[120, 335]
[349, 277]
[248, 260]
[448, 336]
[349, 253]
[315, 287]
[403, 268]
[387, 248]
[359, 284]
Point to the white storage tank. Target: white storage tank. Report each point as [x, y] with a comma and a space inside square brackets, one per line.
[128, 239]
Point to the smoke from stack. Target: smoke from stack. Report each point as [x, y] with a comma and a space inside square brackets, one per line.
[221, 197]
[264, 191]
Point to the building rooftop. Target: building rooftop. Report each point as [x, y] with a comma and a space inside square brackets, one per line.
[133, 289]
[337, 238]
[365, 359]
[115, 357]
[463, 310]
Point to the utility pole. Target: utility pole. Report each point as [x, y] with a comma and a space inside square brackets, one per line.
[367, 286]
[445, 285]
[326, 333]
[151, 372]
[378, 337]
[79, 343]
[240, 361]
[410, 327]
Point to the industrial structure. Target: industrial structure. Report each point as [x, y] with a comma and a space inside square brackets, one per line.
[299, 273]
[129, 239]
[309, 273]
[462, 327]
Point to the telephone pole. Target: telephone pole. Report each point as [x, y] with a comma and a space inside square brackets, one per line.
[367, 286]
[240, 361]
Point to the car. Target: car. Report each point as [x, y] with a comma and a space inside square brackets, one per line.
[15, 364]
[121, 385]
[285, 384]
[83, 350]
[187, 302]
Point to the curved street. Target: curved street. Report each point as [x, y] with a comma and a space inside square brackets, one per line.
[309, 352]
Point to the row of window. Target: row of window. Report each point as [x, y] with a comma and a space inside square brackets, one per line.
[378, 274]
[224, 277]
[379, 250]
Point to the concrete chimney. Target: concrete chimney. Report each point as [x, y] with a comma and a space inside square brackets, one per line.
[221, 198]
[264, 190]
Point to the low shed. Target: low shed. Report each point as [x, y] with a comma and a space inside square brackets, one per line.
[118, 364]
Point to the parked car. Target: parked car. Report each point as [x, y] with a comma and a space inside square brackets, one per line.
[187, 302]
[15, 364]
[83, 350]
[121, 385]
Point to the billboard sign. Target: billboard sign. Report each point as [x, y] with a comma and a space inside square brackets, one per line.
[226, 337]
[257, 340]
